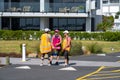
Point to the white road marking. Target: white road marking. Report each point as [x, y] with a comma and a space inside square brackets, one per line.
[68, 69]
[23, 67]
[118, 56]
[101, 54]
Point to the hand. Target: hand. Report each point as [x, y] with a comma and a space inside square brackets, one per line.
[63, 50]
[53, 47]
[57, 44]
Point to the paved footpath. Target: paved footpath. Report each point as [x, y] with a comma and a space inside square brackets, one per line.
[32, 61]
[108, 60]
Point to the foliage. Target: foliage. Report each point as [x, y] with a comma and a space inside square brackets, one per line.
[35, 35]
[111, 36]
[94, 48]
[80, 7]
[117, 15]
[76, 48]
[19, 35]
[107, 23]
[7, 48]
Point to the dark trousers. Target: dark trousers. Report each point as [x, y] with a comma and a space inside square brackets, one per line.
[66, 54]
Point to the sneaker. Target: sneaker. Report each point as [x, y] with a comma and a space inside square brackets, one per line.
[56, 63]
[49, 64]
[41, 64]
[65, 64]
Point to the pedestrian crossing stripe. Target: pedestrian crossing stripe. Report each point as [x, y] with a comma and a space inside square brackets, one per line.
[23, 67]
[68, 69]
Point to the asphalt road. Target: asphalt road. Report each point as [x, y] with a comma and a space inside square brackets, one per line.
[73, 72]
[43, 73]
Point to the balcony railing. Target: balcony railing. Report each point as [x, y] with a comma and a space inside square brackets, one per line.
[65, 7]
[48, 8]
[21, 7]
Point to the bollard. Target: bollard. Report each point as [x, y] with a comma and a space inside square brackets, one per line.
[7, 60]
[23, 52]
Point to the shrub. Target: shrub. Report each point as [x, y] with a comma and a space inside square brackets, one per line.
[111, 36]
[25, 35]
[94, 48]
[7, 35]
[76, 48]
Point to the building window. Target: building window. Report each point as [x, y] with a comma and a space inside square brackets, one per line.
[5, 23]
[105, 1]
[62, 23]
[77, 24]
[21, 23]
[114, 1]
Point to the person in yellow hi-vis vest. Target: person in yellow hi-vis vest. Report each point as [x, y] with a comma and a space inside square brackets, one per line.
[45, 46]
[66, 45]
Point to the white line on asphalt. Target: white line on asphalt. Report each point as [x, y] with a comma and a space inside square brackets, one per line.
[68, 69]
[118, 56]
[101, 54]
[23, 67]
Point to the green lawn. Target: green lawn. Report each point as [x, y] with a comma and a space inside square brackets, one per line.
[33, 46]
[14, 46]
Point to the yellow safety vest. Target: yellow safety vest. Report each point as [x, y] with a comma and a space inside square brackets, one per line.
[45, 44]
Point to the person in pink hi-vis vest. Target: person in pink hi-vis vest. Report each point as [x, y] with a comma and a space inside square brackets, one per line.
[56, 46]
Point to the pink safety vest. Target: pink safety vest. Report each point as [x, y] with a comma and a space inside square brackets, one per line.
[56, 39]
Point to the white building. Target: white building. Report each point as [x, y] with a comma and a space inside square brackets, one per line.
[111, 7]
[80, 15]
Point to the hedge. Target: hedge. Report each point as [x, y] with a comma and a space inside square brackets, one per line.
[34, 35]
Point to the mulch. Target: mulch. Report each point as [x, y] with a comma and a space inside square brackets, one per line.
[12, 54]
[2, 65]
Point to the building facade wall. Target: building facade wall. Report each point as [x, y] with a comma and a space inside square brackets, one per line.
[111, 7]
[98, 16]
[48, 10]
[1, 9]
[1, 5]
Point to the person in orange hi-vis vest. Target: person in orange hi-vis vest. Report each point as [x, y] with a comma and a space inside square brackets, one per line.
[66, 45]
[45, 46]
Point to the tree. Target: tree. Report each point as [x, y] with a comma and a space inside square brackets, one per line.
[107, 23]
[117, 15]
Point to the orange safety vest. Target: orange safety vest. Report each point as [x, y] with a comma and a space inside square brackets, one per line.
[65, 42]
